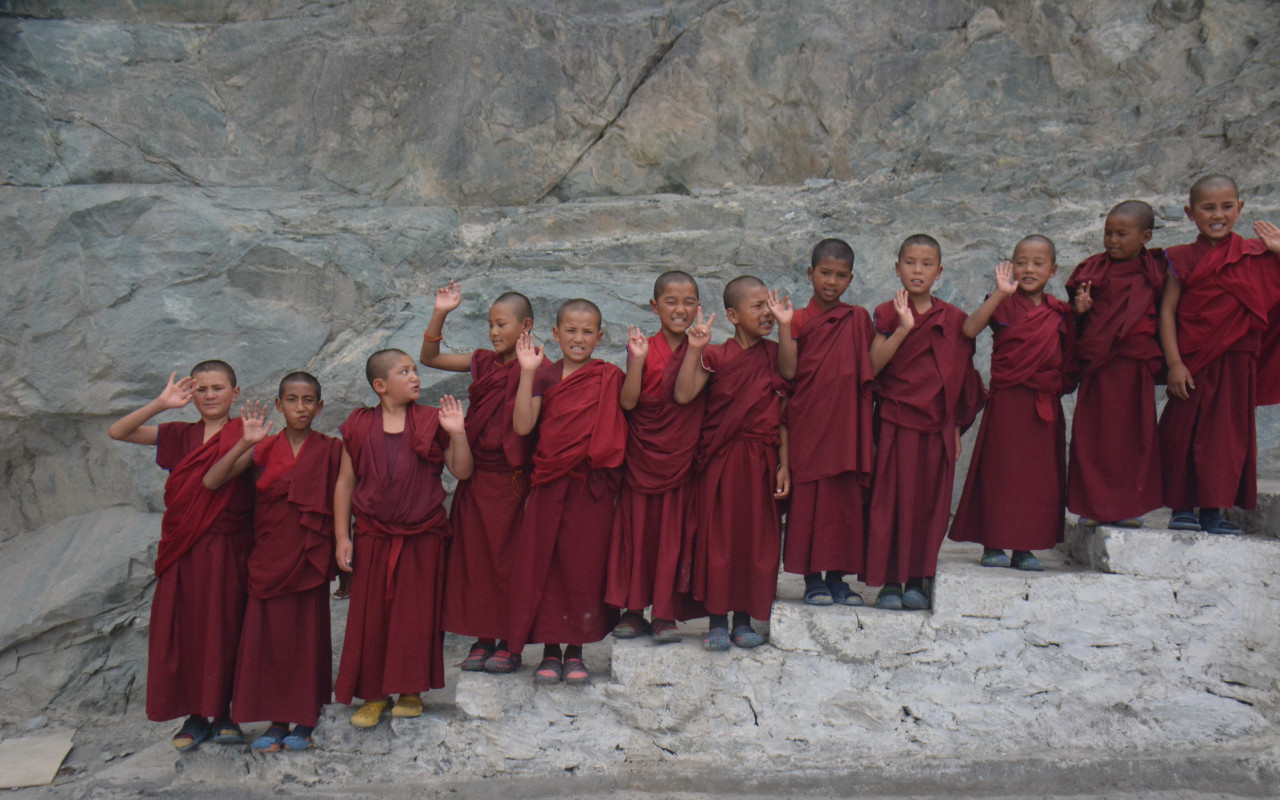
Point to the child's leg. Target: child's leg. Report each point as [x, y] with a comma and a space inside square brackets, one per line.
[816, 591]
[840, 591]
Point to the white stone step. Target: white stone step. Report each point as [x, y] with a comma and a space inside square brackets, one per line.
[1265, 519]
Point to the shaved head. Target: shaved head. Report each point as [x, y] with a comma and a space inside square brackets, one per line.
[672, 278]
[920, 239]
[1213, 182]
[735, 289]
[1036, 238]
[579, 305]
[380, 363]
[518, 303]
[300, 377]
[836, 249]
[214, 365]
[1137, 211]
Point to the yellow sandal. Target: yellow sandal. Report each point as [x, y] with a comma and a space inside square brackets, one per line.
[409, 705]
[368, 714]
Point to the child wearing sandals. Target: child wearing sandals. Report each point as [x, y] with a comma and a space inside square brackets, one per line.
[557, 595]
[284, 671]
[205, 538]
[488, 507]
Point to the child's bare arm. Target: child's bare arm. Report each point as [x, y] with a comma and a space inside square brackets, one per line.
[447, 299]
[638, 349]
[527, 407]
[975, 322]
[1269, 234]
[883, 347]
[692, 378]
[240, 456]
[787, 352]
[457, 456]
[342, 490]
[782, 487]
[1180, 383]
[130, 427]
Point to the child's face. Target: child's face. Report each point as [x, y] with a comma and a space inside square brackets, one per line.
[1215, 211]
[1123, 238]
[1033, 266]
[299, 404]
[505, 328]
[918, 267]
[578, 334]
[751, 315]
[830, 278]
[401, 385]
[676, 307]
[214, 394]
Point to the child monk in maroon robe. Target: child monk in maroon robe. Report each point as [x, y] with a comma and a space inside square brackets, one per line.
[1114, 472]
[1213, 315]
[390, 478]
[488, 507]
[654, 517]
[284, 670]
[1015, 492]
[557, 594]
[742, 469]
[826, 350]
[927, 393]
[205, 537]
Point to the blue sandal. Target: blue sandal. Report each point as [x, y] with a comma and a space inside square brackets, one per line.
[299, 740]
[1212, 521]
[271, 741]
[1184, 521]
[746, 637]
[818, 595]
[842, 595]
[194, 731]
[716, 640]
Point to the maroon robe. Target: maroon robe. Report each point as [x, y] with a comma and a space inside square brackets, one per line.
[557, 595]
[394, 641]
[1208, 442]
[927, 392]
[196, 612]
[285, 667]
[489, 506]
[1114, 470]
[831, 446]
[1016, 488]
[654, 518]
[733, 564]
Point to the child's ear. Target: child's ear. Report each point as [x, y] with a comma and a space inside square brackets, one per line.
[732, 315]
[319, 408]
[279, 405]
[1187, 210]
[380, 385]
[526, 325]
[1146, 236]
[555, 332]
[653, 306]
[235, 394]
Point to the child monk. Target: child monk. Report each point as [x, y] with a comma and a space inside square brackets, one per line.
[489, 506]
[742, 468]
[390, 478]
[1015, 492]
[826, 352]
[1114, 472]
[928, 393]
[284, 671]
[205, 538]
[655, 508]
[557, 595]
[1213, 314]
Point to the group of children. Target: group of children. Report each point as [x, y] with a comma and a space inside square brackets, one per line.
[588, 493]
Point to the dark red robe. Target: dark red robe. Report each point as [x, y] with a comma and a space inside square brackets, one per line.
[394, 641]
[1114, 470]
[831, 446]
[557, 594]
[489, 506]
[1208, 442]
[198, 606]
[1016, 488]
[285, 667]
[654, 518]
[927, 392]
[733, 564]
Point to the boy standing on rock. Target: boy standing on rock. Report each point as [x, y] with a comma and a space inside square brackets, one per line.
[390, 478]
[205, 538]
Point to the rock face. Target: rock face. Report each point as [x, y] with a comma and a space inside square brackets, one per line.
[284, 185]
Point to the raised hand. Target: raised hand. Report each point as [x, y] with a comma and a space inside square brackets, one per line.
[902, 306]
[637, 343]
[781, 309]
[255, 426]
[699, 333]
[1083, 301]
[449, 297]
[177, 393]
[1004, 278]
[452, 419]
[529, 354]
[1269, 234]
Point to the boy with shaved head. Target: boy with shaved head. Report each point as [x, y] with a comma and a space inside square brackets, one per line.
[1215, 310]
[1114, 473]
[393, 454]
[741, 466]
